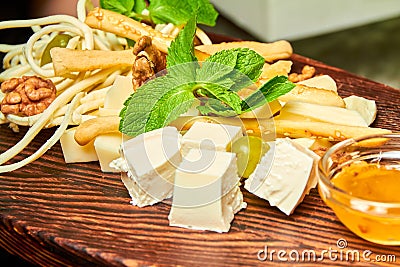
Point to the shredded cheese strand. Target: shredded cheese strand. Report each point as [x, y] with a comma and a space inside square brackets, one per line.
[86, 30]
[49, 143]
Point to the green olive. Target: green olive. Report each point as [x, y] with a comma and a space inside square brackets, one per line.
[248, 150]
[60, 40]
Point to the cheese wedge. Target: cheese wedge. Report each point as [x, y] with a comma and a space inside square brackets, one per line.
[150, 160]
[73, 152]
[212, 136]
[206, 191]
[107, 149]
[117, 94]
[282, 176]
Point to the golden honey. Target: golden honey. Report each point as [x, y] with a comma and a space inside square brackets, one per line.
[370, 207]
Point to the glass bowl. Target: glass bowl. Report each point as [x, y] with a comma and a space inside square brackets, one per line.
[359, 179]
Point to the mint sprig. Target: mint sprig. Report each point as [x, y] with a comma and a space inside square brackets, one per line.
[216, 83]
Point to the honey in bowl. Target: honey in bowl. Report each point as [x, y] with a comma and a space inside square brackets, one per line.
[369, 181]
[361, 184]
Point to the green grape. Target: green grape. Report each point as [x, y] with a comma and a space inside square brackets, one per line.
[248, 150]
[60, 40]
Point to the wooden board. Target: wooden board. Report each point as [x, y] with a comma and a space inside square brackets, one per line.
[54, 214]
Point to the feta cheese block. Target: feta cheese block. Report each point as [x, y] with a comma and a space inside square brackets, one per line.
[212, 136]
[206, 191]
[73, 152]
[282, 175]
[150, 161]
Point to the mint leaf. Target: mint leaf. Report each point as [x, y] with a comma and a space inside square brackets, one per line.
[139, 6]
[153, 105]
[170, 106]
[241, 65]
[213, 106]
[224, 95]
[178, 12]
[181, 51]
[120, 6]
[218, 66]
[249, 63]
[268, 92]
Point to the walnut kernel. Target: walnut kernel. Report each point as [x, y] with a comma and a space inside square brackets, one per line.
[27, 96]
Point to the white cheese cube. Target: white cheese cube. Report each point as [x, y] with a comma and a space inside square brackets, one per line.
[212, 136]
[282, 176]
[206, 191]
[73, 152]
[151, 160]
[107, 149]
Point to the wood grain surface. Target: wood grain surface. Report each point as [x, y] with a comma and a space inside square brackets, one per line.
[54, 214]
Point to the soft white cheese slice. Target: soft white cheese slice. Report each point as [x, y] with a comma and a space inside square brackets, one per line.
[206, 191]
[150, 160]
[282, 176]
[212, 136]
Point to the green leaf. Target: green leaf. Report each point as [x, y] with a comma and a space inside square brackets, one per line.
[181, 51]
[170, 107]
[207, 13]
[213, 106]
[139, 6]
[268, 92]
[224, 95]
[218, 66]
[241, 65]
[250, 63]
[154, 105]
[178, 12]
[120, 6]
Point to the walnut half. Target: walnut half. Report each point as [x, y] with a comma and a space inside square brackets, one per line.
[28, 95]
[148, 62]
